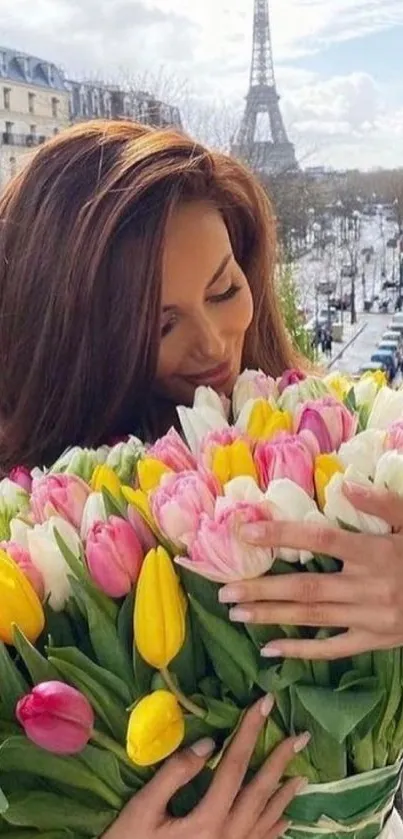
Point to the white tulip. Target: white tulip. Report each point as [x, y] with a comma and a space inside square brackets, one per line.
[339, 509]
[387, 408]
[80, 462]
[365, 391]
[123, 458]
[243, 488]
[289, 502]
[310, 388]
[206, 397]
[363, 451]
[12, 495]
[49, 560]
[389, 472]
[94, 510]
[251, 385]
[19, 532]
[197, 422]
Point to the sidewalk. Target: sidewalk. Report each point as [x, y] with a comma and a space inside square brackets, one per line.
[360, 341]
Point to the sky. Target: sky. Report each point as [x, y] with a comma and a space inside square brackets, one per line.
[338, 64]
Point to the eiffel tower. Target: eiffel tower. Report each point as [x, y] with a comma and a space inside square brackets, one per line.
[275, 153]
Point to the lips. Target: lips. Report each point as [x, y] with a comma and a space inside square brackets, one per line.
[215, 377]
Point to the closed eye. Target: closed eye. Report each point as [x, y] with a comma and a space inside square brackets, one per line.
[226, 295]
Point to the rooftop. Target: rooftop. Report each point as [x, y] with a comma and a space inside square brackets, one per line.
[17, 66]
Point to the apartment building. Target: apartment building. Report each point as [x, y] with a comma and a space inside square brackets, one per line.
[94, 100]
[34, 105]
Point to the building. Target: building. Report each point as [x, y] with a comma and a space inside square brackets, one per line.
[34, 105]
[97, 100]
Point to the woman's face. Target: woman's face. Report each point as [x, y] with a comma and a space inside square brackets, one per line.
[206, 306]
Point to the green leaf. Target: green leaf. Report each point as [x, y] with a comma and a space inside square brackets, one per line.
[47, 811]
[3, 802]
[12, 684]
[338, 713]
[105, 766]
[113, 507]
[113, 684]
[18, 751]
[205, 592]
[39, 668]
[107, 707]
[79, 570]
[184, 665]
[143, 673]
[219, 714]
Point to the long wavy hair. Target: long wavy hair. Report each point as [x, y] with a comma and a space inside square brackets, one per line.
[81, 244]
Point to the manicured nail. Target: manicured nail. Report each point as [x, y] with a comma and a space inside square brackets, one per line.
[266, 705]
[253, 532]
[204, 747]
[271, 652]
[240, 615]
[301, 742]
[229, 594]
[302, 784]
[357, 489]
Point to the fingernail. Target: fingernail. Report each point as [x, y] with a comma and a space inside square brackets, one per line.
[303, 783]
[229, 594]
[266, 705]
[356, 489]
[240, 615]
[271, 652]
[253, 532]
[203, 747]
[301, 742]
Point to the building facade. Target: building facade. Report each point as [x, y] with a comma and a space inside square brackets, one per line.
[97, 100]
[34, 106]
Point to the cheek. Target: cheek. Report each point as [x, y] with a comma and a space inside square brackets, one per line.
[241, 315]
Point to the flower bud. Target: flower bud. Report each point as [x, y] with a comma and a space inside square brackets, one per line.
[261, 421]
[326, 465]
[159, 611]
[114, 556]
[104, 478]
[21, 476]
[123, 458]
[285, 457]
[59, 495]
[22, 557]
[251, 385]
[149, 473]
[156, 728]
[325, 424]
[172, 451]
[56, 717]
[178, 503]
[20, 604]
[290, 377]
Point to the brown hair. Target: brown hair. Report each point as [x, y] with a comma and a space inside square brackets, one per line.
[81, 243]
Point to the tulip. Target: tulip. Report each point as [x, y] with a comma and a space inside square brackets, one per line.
[143, 531]
[197, 422]
[339, 385]
[19, 529]
[393, 439]
[366, 389]
[59, 495]
[206, 397]
[290, 377]
[310, 388]
[261, 421]
[94, 511]
[285, 457]
[138, 500]
[80, 462]
[288, 501]
[159, 611]
[179, 502]
[326, 465]
[340, 510]
[173, 452]
[22, 558]
[387, 408]
[251, 385]
[114, 556]
[363, 451]
[20, 604]
[156, 728]
[56, 717]
[389, 472]
[324, 424]
[105, 478]
[123, 457]
[150, 472]
[232, 461]
[49, 560]
[219, 553]
[21, 476]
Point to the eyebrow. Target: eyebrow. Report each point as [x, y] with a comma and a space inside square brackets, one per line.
[217, 274]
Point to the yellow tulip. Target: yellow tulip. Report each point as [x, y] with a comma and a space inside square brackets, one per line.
[139, 499]
[338, 385]
[233, 461]
[156, 728]
[149, 473]
[105, 478]
[378, 376]
[265, 421]
[20, 604]
[326, 465]
[159, 610]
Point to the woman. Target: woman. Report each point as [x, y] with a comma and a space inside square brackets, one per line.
[135, 266]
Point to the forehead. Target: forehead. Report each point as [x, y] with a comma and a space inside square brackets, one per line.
[196, 240]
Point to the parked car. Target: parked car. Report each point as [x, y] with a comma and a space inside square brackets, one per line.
[392, 242]
[391, 335]
[371, 367]
[389, 345]
[388, 359]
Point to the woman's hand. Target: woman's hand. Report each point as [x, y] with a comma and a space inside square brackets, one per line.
[366, 598]
[226, 811]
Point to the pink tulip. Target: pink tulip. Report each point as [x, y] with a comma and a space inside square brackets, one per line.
[214, 439]
[114, 556]
[23, 559]
[21, 476]
[56, 717]
[290, 377]
[218, 551]
[324, 424]
[179, 502]
[394, 436]
[144, 533]
[172, 451]
[59, 495]
[286, 456]
[252, 384]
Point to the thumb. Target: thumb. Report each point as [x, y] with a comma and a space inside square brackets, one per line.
[176, 773]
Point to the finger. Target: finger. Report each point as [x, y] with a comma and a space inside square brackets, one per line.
[346, 644]
[376, 501]
[273, 833]
[332, 541]
[176, 773]
[311, 614]
[302, 588]
[254, 797]
[278, 803]
[231, 771]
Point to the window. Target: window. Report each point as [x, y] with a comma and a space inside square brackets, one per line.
[55, 105]
[51, 74]
[6, 98]
[8, 134]
[3, 63]
[13, 167]
[31, 103]
[32, 130]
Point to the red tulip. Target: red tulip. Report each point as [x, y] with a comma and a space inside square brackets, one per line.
[56, 717]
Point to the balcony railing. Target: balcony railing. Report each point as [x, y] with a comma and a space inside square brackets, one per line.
[29, 140]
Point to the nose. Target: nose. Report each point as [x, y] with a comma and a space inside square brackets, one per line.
[209, 342]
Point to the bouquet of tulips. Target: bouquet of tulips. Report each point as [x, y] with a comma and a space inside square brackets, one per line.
[115, 648]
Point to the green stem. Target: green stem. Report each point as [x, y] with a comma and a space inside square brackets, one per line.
[110, 745]
[182, 699]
